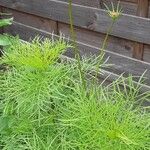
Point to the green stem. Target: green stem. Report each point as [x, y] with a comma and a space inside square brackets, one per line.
[76, 51]
[102, 50]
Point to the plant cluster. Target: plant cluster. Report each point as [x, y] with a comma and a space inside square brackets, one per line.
[48, 103]
[43, 106]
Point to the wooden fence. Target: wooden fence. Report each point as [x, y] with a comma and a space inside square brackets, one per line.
[129, 43]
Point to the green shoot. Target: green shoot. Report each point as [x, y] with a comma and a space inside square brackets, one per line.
[4, 41]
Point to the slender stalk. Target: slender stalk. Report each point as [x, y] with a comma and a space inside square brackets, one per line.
[102, 49]
[76, 51]
[114, 14]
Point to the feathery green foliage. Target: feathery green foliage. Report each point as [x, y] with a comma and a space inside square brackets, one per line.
[105, 119]
[37, 55]
[44, 104]
[30, 88]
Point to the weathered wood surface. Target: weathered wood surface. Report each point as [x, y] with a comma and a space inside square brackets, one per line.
[1, 29]
[126, 46]
[146, 56]
[91, 3]
[128, 27]
[142, 11]
[32, 20]
[115, 44]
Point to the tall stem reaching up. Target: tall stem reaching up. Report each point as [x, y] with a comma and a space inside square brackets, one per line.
[102, 50]
[76, 50]
[114, 14]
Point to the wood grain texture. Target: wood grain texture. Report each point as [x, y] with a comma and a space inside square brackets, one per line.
[117, 45]
[128, 27]
[142, 11]
[1, 29]
[146, 56]
[130, 1]
[32, 20]
[91, 3]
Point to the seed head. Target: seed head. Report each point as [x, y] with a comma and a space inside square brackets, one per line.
[113, 12]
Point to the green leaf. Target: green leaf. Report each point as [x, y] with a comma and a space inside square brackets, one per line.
[4, 121]
[4, 40]
[5, 22]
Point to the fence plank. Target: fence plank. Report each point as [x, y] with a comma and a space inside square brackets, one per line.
[1, 29]
[117, 45]
[147, 53]
[32, 20]
[91, 3]
[128, 27]
[142, 11]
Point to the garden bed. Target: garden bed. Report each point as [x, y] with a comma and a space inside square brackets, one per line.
[45, 106]
[60, 94]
